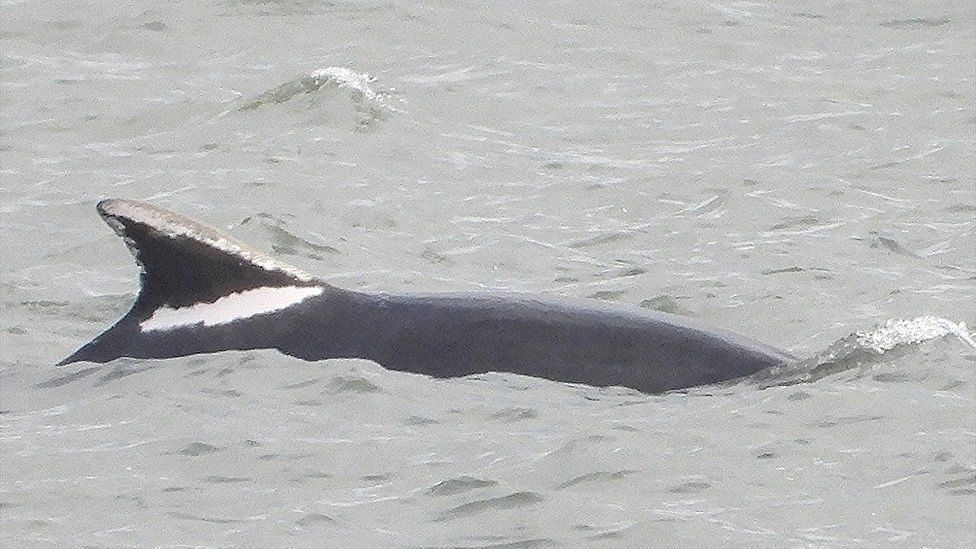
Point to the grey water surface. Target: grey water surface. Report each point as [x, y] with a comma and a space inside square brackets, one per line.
[797, 172]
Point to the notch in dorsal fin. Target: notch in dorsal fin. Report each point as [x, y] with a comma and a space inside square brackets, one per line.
[185, 262]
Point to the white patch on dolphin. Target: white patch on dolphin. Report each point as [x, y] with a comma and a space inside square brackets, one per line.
[230, 308]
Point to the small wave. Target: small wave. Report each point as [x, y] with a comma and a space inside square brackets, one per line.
[916, 23]
[353, 384]
[511, 501]
[459, 485]
[908, 332]
[371, 106]
[287, 243]
[862, 348]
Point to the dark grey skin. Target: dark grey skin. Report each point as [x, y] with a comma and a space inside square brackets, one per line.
[441, 335]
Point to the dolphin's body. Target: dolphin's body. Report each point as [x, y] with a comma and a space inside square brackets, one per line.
[204, 292]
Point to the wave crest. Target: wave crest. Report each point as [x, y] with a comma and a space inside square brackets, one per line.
[371, 106]
[893, 333]
[885, 341]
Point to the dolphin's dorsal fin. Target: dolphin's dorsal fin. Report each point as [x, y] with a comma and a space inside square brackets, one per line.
[185, 262]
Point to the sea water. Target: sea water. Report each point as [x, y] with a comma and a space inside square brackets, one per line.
[801, 173]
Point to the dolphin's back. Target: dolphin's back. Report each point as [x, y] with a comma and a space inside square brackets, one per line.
[202, 292]
[576, 341]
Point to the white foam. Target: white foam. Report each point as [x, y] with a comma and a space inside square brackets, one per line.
[229, 308]
[360, 82]
[364, 96]
[346, 78]
[904, 332]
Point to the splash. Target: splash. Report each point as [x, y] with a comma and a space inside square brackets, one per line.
[861, 349]
[370, 104]
[909, 332]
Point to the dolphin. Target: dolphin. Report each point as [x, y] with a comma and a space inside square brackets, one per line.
[203, 291]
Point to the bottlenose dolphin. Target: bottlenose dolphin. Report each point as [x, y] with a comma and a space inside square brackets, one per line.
[203, 291]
